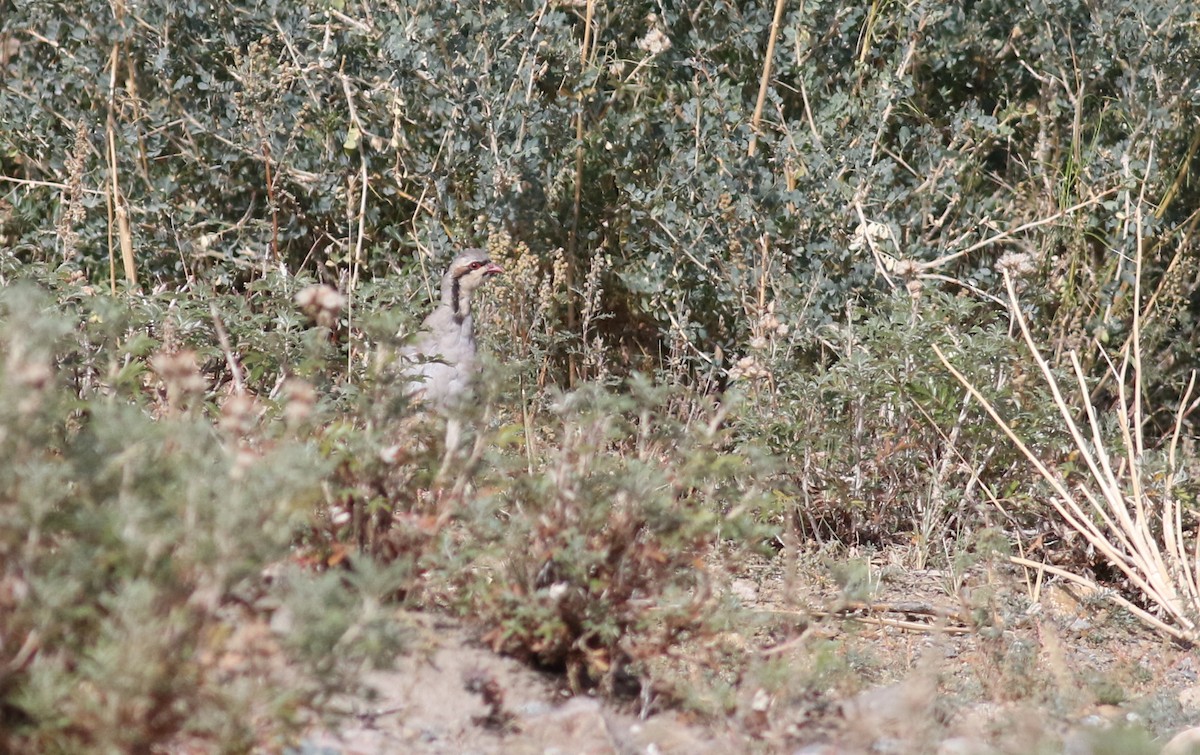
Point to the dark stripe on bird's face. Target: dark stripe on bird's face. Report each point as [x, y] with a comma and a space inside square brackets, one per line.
[482, 267]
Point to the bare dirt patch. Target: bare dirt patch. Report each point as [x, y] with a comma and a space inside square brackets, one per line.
[926, 661]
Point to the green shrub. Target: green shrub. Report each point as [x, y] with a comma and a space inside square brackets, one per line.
[612, 550]
[340, 142]
[134, 549]
[886, 446]
[227, 157]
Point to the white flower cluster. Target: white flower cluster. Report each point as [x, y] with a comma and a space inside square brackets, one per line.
[1016, 264]
[765, 329]
[768, 325]
[322, 303]
[656, 40]
[748, 368]
[180, 371]
[868, 234]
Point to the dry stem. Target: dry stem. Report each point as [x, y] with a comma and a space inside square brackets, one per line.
[1112, 510]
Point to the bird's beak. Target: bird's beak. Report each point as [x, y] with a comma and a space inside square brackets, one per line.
[493, 269]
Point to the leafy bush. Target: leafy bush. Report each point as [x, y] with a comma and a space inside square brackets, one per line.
[134, 548]
[339, 142]
[610, 552]
[801, 232]
[885, 445]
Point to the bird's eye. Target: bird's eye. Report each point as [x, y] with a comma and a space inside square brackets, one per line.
[476, 265]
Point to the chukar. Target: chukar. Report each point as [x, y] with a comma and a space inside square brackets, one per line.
[440, 362]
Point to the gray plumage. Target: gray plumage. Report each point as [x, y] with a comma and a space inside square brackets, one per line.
[440, 361]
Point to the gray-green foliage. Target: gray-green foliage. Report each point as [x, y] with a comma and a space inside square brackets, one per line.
[605, 554]
[944, 122]
[884, 442]
[260, 147]
[152, 506]
[135, 541]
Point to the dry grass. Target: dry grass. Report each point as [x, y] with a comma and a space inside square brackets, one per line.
[1131, 518]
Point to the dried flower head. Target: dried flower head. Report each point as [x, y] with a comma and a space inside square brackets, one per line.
[299, 399]
[180, 371]
[523, 306]
[29, 374]
[655, 40]
[764, 328]
[32, 374]
[770, 324]
[245, 458]
[748, 368]
[869, 234]
[321, 302]
[239, 413]
[72, 198]
[906, 269]
[1016, 264]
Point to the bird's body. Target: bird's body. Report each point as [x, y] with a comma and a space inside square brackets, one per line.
[440, 361]
[441, 367]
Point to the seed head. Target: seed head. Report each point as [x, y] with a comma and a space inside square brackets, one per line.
[1016, 264]
[322, 303]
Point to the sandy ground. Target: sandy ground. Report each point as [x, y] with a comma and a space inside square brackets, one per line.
[933, 663]
[453, 695]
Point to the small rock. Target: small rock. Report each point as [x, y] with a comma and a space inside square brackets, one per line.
[899, 710]
[889, 746]
[535, 708]
[1079, 626]
[964, 746]
[1186, 669]
[1078, 743]
[822, 749]
[666, 735]
[1190, 697]
[745, 590]
[1109, 712]
[1186, 742]
[577, 728]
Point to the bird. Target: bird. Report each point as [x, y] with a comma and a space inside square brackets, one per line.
[440, 361]
[439, 364]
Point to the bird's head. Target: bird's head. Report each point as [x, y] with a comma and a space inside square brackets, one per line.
[467, 272]
[471, 268]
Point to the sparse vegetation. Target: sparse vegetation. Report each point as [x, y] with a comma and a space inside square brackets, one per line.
[780, 342]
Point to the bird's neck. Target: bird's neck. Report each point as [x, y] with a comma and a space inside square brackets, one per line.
[457, 298]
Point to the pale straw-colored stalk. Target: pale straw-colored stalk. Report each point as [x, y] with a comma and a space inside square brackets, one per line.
[1111, 507]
